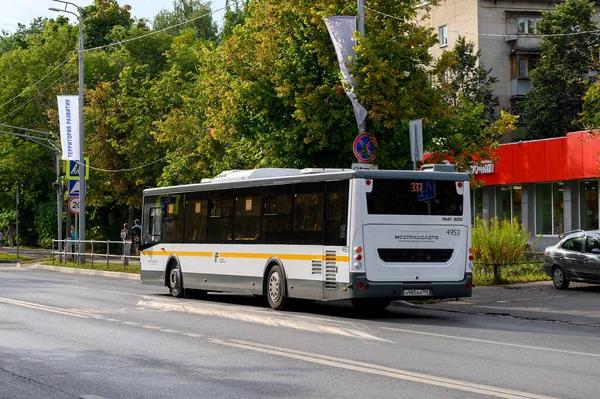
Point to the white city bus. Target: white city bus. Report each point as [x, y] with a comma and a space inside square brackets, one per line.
[370, 236]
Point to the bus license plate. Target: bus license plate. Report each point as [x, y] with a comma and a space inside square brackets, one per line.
[421, 292]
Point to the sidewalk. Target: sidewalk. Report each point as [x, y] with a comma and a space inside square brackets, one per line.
[88, 272]
[580, 304]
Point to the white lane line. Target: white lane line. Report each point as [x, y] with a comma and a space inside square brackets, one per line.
[381, 370]
[485, 341]
[124, 293]
[168, 330]
[152, 327]
[192, 335]
[130, 323]
[269, 319]
[69, 286]
[44, 308]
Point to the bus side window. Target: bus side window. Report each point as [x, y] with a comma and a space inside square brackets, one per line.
[173, 218]
[308, 213]
[336, 212]
[277, 218]
[220, 218]
[248, 204]
[151, 220]
[196, 215]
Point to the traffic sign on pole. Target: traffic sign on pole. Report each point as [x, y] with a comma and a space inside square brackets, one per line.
[73, 188]
[73, 169]
[74, 205]
[364, 147]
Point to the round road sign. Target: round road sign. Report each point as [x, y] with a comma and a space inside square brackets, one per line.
[74, 205]
[364, 147]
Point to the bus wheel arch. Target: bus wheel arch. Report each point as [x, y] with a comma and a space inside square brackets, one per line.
[174, 278]
[274, 285]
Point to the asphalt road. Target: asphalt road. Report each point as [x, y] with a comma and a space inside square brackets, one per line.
[78, 336]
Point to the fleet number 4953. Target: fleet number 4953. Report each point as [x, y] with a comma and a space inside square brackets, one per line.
[453, 232]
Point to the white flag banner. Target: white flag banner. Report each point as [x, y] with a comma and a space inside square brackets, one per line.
[68, 115]
[341, 30]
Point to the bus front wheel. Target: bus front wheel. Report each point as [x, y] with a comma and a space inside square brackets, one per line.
[176, 282]
[276, 288]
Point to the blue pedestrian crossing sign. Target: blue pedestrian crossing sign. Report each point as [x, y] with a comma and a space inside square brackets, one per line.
[426, 190]
[73, 188]
[73, 168]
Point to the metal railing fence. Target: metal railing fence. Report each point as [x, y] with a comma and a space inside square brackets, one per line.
[96, 252]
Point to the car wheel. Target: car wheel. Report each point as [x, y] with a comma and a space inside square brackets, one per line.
[276, 288]
[176, 282]
[559, 279]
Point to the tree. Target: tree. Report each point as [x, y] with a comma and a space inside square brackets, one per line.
[460, 73]
[100, 18]
[197, 12]
[233, 17]
[565, 71]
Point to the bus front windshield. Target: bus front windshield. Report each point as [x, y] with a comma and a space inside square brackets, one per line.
[414, 197]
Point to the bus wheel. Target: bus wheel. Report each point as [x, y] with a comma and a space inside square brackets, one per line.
[276, 288]
[370, 305]
[176, 282]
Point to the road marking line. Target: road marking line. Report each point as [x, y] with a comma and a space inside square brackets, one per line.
[485, 341]
[130, 323]
[168, 330]
[380, 370]
[70, 286]
[124, 293]
[45, 308]
[269, 319]
[152, 327]
[192, 335]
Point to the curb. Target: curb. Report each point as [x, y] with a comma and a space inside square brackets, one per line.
[87, 272]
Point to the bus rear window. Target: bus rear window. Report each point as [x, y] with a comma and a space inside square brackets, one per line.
[414, 197]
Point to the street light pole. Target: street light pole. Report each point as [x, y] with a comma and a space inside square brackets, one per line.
[362, 128]
[82, 165]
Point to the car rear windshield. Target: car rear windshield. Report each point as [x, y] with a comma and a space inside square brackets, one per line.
[414, 197]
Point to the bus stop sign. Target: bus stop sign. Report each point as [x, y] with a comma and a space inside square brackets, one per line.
[364, 147]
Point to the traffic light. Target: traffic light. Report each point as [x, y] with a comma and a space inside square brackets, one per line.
[58, 186]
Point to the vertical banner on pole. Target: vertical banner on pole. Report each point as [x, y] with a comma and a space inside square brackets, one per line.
[68, 113]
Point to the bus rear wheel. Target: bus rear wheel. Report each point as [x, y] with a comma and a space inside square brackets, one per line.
[276, 288]
[370, 305]
[176, 282]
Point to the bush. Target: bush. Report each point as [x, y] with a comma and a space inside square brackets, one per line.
[499, 241]
[501, 250]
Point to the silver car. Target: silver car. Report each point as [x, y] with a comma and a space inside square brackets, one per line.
[576, 257]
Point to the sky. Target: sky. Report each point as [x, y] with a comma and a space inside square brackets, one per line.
[13, 12]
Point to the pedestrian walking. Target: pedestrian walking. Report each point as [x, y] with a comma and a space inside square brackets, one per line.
[10, 235]
[1, 239]
[74, 238]
[136, 233]
[126, 242]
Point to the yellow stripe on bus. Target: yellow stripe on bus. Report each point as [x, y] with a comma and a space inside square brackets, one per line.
[247, 255]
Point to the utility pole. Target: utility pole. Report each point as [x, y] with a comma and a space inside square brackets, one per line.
[362, 128]
[82, 165]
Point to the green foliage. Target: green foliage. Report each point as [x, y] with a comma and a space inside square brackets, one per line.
[45, 223]
[501, 252]
[183, 104]
[195, 11]
[499, 241]
[461, 74]
[565, 72]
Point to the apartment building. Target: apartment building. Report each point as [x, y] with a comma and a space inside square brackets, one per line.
[502, 31]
